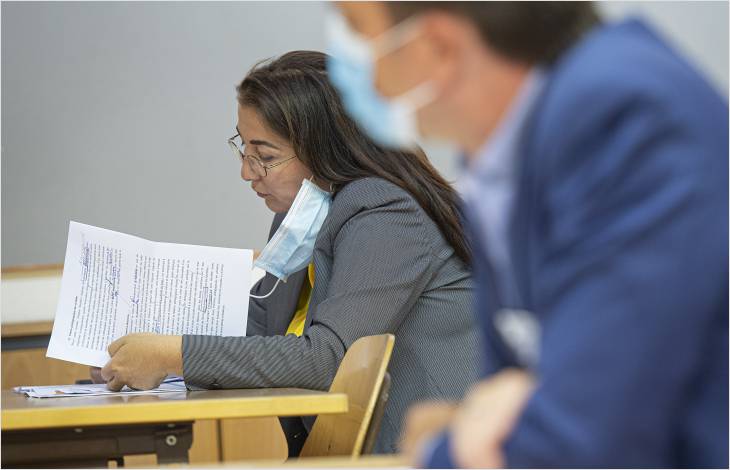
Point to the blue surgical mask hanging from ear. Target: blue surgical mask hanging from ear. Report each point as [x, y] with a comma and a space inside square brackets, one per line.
[290, 249]
[390, 122]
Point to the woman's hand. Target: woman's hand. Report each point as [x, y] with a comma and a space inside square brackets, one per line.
[95, 374]
[142, 361]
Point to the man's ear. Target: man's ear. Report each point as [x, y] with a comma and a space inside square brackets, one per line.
[448, 40]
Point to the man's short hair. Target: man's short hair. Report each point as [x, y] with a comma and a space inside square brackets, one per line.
[532, 32]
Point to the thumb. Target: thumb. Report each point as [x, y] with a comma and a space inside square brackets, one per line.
[115, 384]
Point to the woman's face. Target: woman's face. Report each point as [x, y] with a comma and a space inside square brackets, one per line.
[280, 185]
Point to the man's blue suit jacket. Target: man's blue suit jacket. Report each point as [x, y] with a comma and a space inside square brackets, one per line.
[619, 241]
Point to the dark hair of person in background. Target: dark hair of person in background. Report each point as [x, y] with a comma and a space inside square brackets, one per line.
[532, 32]
[294, 97]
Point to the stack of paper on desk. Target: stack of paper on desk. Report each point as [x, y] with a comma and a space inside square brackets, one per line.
[172, 384]
[114, 284]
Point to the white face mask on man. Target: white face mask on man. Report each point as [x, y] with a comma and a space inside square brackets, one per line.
[390, 122]
[290, 249]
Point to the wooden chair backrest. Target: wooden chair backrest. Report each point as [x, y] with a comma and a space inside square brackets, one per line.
[374, 428]
[360, 376]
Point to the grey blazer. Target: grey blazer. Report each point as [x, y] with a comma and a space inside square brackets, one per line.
[381, 266]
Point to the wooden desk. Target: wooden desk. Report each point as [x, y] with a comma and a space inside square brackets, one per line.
[30, 294]
[88, 431]
[365, 461]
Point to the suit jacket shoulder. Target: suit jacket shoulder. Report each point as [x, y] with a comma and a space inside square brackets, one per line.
[614, 72]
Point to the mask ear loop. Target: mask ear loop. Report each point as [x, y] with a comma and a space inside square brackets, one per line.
[395, 38]
[420, 96]
[270, 292]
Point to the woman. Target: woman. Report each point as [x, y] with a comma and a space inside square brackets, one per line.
[390, 257]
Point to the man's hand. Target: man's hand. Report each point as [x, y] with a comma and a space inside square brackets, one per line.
[423, 422]
[142, 361]
[487, 417]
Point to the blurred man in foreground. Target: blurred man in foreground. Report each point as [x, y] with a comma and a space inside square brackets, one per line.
[596, 194]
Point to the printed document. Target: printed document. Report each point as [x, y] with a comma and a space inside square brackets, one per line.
[172, 384]
[114, 284]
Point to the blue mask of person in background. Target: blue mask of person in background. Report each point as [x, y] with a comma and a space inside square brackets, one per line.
[390, 122]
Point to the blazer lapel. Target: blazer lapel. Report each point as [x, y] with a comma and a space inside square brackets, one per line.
[522, 233]
[521, 240]
[284, 301]
[322, 258]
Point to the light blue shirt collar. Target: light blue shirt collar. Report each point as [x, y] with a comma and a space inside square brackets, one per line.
[490, 185]
[496, 157]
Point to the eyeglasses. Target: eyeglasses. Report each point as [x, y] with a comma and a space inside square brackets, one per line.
[258, 167]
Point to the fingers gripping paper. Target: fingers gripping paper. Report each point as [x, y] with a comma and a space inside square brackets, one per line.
[114, 284]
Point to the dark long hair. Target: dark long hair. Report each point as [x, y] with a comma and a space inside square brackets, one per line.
[294, 97]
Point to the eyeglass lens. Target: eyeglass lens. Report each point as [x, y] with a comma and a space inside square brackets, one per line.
[255, 166]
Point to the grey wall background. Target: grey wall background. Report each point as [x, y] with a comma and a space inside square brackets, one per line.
[116, 114]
